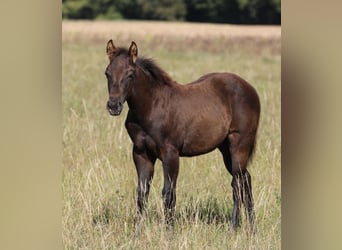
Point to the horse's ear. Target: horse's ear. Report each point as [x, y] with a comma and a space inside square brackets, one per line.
[110, 49]
[133, 51]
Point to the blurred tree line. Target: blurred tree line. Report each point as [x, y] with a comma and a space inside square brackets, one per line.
[217, 11]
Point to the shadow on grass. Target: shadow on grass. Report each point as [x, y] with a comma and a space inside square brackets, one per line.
[105, 216]
[110, 211]
[209, 211]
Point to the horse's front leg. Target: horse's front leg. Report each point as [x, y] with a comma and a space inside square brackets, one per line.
[144, 163]
[170, 159]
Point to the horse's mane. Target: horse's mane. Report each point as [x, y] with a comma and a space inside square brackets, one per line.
[158, 75]
[155, 72]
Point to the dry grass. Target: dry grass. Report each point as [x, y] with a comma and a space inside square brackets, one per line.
[99, 178]
[200, 36]
[173, 29]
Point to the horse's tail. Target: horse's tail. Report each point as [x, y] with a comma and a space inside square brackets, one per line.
[252, 149]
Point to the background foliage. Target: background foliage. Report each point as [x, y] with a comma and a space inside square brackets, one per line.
[217, 11]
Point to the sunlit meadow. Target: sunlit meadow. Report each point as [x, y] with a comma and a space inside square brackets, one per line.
[99, 178]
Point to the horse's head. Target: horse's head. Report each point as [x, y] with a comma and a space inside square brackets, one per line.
[120, 73]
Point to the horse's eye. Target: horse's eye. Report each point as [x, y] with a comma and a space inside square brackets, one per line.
[130, 76]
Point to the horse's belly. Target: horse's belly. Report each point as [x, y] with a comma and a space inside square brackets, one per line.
[204, 127]
[198, 142]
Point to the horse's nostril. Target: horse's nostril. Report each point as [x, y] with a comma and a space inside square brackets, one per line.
[114, 107]
[108, 104]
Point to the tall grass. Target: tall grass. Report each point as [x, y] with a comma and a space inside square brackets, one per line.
[99, 177]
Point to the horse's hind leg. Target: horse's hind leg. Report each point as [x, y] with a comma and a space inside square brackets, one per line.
[240, 149]
[236, 152]
[237, 194]
[224, 148]
[248, 201]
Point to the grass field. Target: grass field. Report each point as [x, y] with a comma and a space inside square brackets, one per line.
[99, 178]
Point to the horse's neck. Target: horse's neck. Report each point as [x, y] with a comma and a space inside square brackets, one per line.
[141, 94]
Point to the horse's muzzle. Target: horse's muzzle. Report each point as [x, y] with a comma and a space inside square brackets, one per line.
[114, 108]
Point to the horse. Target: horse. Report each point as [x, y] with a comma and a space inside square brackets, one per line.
[167, 120]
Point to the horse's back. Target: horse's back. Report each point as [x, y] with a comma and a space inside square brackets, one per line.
[244, 105]
[240, 98]
[231, 87]
[215, 105]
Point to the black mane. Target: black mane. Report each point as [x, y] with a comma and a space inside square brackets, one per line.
[148, 66]
[155, 72]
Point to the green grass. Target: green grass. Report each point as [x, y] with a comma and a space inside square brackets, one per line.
[99, 177]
